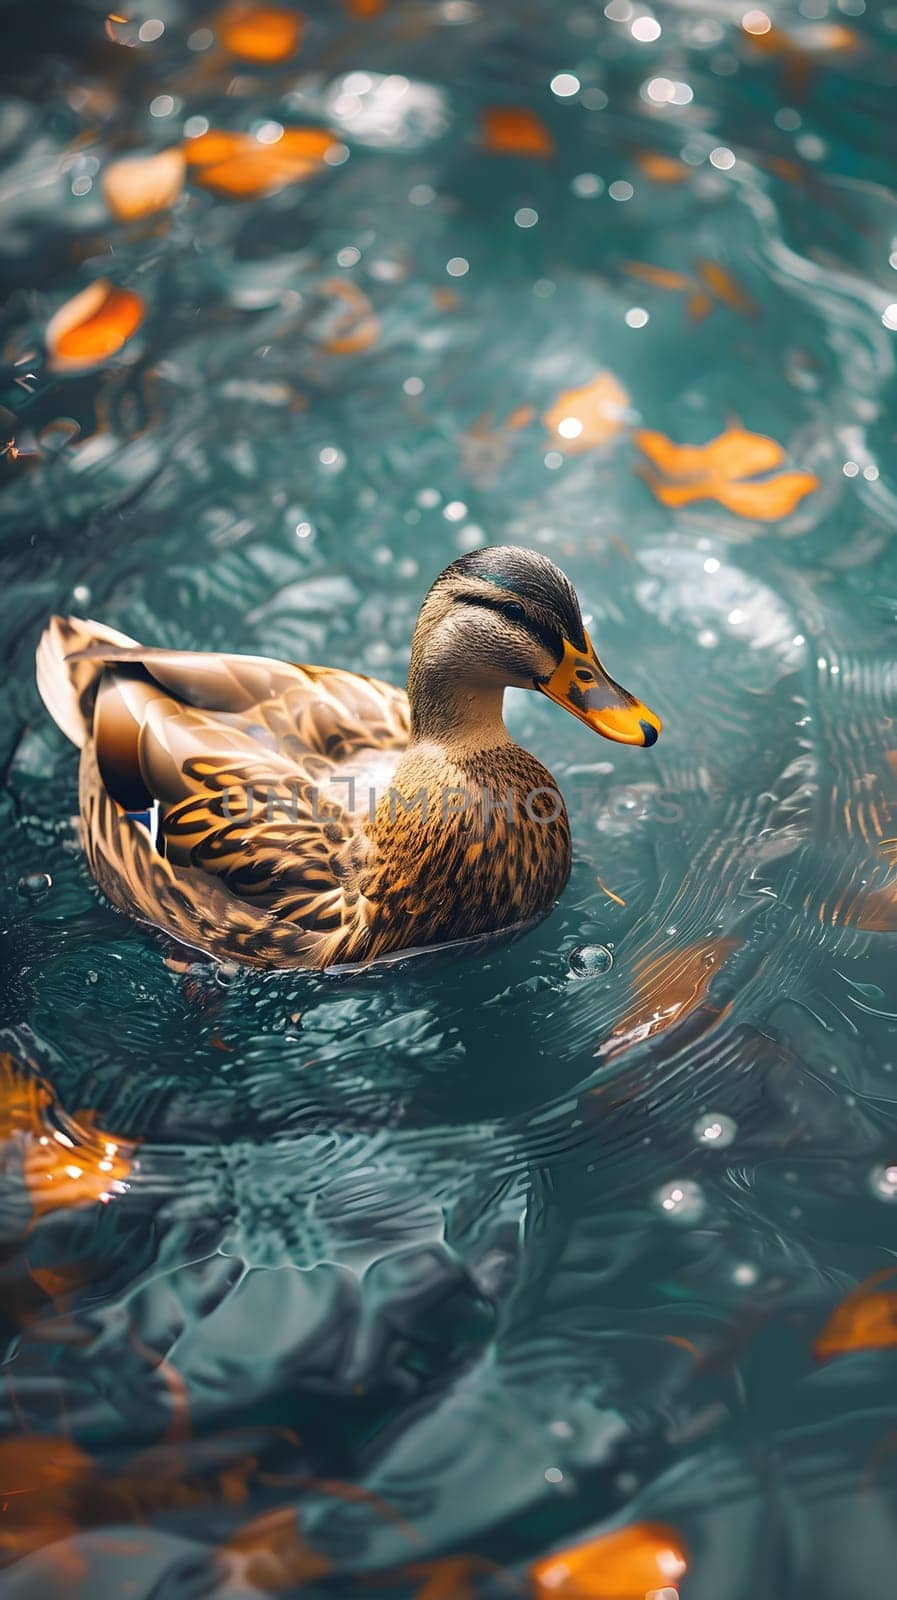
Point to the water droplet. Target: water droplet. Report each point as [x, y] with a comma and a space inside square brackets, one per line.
[590, 960]
[681, 1201]
[715, 1130]
[883, 1181]
[35, 885]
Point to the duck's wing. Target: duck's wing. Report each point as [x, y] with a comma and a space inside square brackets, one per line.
[239, 752]
[329, 710]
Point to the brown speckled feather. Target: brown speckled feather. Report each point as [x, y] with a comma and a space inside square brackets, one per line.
[263, 855]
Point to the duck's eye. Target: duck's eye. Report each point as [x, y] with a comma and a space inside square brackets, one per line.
[513, 611]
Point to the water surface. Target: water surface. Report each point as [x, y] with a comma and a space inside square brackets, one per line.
[396, 1283]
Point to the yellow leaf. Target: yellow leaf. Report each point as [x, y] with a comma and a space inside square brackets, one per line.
[864, 1321]
[262, 34]
[719, 471]
[92, 326]
[661, 168]
[237, 165]
[515, 130]
[139, 186]
[627, 1564]
[355, 327]
[592, 415]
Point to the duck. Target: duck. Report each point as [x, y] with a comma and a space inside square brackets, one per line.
[279, 815]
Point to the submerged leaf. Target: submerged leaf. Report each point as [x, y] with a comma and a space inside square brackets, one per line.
[263, 34]
[139, 186]
[237, 165]
[515, 130]
[627, 1564]
[718, 470]
[93, 326]
[864, 1321]
[592, 415]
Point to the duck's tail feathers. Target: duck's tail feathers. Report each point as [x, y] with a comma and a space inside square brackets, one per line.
[68, 687]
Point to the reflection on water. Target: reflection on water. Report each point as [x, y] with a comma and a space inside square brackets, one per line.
[565, 1268]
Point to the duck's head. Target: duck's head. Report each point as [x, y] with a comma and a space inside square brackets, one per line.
[508, 617]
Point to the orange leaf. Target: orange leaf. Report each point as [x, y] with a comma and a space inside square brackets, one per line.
[661, 277]
[627, 1564]
[44, 1478]
[355, 327]
[66, 1161]
[699, 306]
[864, 1321]
[877, 912]
[767, 501]
[668, 988]
[237, 165]
[833, 36]
[92, 326]
[515, 130]
[364, 8]
[272, 1555]
[734, 454]
[592, 415]
[718, 470]
[139, 186]
[660, 168]
[725, 287]
[266, 34]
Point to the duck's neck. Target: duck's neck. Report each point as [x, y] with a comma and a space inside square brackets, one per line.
[449, 710]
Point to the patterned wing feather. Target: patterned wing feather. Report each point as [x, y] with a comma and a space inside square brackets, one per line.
[238, 751]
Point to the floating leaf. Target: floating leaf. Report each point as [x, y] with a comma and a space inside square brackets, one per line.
[355, 327]
[93, 326]
[271, 1555]
[139, 186]
[726, 288]
[239, 166]
[43, 1478]
[592, 415]
[515, 130]
[264, 34]
[864, 1321]
[627, 1564]
[718, 470]
[711, 285]
[668, 988]
[66, 1162]
[659, 277]
[661, 168]
[734, 454]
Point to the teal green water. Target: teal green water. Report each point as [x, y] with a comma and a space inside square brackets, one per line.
[395, 1284]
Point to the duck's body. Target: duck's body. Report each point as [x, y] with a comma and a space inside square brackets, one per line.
[308, 816]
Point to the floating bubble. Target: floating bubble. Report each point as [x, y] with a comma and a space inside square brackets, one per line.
[35, 885]
[681, 1201]
[883, 1181]
[715, 1130]
[590, 960]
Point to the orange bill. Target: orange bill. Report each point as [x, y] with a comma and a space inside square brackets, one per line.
[580, 684]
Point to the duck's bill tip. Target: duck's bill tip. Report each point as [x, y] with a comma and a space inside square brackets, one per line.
[630, 724]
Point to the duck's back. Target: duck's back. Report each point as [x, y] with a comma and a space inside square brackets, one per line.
[253, 851]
